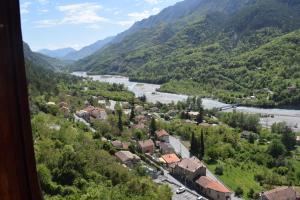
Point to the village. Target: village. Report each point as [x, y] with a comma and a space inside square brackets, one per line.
[163, 156]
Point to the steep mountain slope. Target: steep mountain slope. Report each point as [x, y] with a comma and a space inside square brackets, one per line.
[207, 46]
[58, 53]
[43, 61]
[88, 50]
[156, 30]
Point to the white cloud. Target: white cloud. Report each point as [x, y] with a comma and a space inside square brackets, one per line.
[81, 13]
[153, 1]
[24, 7]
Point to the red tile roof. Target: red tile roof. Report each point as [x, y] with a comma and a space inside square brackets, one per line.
[280, 193]
[190, 164]
[170, 158]
[161, 133]
[206, 182]
[125, 156]
[89, 109]
[146, 143]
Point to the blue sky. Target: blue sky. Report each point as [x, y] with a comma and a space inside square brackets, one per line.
[57, 24]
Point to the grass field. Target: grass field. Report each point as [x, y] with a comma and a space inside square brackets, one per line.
[241, 176]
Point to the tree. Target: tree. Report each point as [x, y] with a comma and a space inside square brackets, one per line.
[202, 148]
[288, 138]
[152, 126]
[199, 105]
[280, 128]
[251, 138]
[193, 148]
[120, 122]
[219, 170]
[199, 118]
[70, 166]
[250, 194]
[143, 98]
[132, 113]
[276, 148]
[239, 192]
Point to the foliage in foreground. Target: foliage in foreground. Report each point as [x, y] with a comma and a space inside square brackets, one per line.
[72, 165]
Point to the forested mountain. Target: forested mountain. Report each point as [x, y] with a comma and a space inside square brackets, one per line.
[224, 45]
[41, 60]
[58, 53]
[88, 50]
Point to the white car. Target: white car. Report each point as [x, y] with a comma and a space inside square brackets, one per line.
[201, 198]
[180, 190]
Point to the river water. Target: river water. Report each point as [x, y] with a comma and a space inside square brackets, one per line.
[292, 117]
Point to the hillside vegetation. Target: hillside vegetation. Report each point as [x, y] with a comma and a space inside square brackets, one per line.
[224, 49]
[72, 163]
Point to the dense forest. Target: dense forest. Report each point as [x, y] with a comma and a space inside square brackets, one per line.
[223, 49]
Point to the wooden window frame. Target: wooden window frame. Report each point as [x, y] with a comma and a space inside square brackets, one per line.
[18, 175]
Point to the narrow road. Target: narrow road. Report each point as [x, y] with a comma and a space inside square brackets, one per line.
[174, 184]
[185, 153]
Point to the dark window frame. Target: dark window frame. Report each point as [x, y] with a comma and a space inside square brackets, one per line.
[18, 175]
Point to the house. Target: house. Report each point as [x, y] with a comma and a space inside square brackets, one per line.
[89, 109]
[166, 148]
[120, 145]
[162, 135]
[146, 146]
[140, 119]
[99, 113]
[139, 126]
[213, 189]
[170, 159]
[139, 109]
[127, 158]
[280, 193]
[298, 140]
[189, 169]
[102, 102]
[83, 114]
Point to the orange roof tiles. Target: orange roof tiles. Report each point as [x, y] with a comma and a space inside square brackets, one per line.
[146, 143]
[171, 158]
[206, 182]
[280, 193]
[190, 164]
[161, 133]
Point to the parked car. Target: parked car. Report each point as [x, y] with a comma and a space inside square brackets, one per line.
[180, 190]
[201, 198]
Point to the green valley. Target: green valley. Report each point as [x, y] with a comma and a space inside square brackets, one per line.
[225, 50]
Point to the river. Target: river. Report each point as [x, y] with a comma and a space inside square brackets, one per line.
[292, 117]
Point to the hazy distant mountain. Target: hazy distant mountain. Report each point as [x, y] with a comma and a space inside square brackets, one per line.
[88, 50]
[58, 53]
